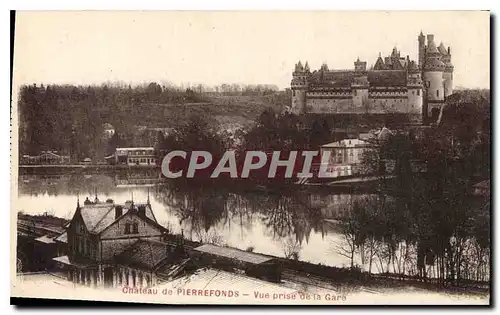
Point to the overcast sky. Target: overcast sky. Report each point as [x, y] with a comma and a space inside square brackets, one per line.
[234, 47]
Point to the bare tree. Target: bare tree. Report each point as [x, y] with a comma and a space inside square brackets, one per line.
[291, 248]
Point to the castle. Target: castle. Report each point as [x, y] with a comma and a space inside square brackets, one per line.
[395, 84]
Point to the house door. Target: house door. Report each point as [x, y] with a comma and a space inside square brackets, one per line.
[108, 277]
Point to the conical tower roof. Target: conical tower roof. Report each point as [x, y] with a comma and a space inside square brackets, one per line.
[431, 48]
[442, 49]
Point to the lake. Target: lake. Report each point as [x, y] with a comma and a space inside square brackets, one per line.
[276, 223]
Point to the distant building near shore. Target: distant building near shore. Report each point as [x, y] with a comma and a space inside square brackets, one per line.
[109, 130]
[346, 155]
[45, 158]
[395, 84]
[138, 156]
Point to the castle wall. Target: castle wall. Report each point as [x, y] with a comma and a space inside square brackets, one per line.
[318, 105]
[329, 101]
[384, 101]
[363, 101]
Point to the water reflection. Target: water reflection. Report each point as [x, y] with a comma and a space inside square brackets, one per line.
[283, 222]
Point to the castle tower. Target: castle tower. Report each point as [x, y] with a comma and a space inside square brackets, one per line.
[360, 87]
[299, 87]
[415, 93]
[433, 78]
[359, 66]
[448, 70]
[421, 50]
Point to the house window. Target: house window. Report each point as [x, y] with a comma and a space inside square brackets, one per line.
[135, 228]
[127, 228]
[418, 92]
[437, 93]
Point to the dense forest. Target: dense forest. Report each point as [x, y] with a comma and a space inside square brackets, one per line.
[70, 119]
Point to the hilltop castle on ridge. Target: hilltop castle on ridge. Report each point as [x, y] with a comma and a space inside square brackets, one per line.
[395, 84]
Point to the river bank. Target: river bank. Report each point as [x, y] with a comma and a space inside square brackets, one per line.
[340, 279]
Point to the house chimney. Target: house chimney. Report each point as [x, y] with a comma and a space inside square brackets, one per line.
[118, 212]
[142, 210]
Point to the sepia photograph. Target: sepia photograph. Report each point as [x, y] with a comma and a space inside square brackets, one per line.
[252, 157]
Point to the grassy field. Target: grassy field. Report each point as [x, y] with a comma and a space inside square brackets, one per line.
[226, 110]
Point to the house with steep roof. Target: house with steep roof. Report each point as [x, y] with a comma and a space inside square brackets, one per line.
[110, 244]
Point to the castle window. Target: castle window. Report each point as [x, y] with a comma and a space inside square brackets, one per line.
[437, 93]
[418, 92]
[293, 92]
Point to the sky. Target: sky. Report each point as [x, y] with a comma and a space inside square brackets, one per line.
[248, 47]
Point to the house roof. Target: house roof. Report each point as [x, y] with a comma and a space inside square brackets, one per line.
[63, 238]
[384, 134]
[144, 253]
[45, 239]
[233, 253]
[80, 262]
[98, 216]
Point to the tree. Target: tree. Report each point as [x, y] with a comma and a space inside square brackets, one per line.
[114, 142]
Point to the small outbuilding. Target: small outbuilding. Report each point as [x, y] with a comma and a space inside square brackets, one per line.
[228, 258]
